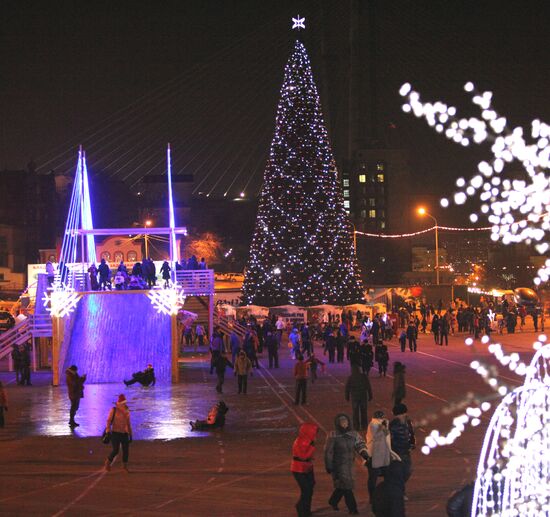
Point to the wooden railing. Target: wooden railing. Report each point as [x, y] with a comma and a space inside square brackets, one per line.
[196, 282]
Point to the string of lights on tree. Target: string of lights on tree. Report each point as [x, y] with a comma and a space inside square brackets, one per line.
[514, 467]
[302, 249]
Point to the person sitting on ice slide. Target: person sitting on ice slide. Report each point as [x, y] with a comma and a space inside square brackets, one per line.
[145, 378]
[215, 419]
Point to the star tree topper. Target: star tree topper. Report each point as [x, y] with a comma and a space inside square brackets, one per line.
[298, 23]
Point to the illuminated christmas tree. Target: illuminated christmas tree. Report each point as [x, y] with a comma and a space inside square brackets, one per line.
[302, 250]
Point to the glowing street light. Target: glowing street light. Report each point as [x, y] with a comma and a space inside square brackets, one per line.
[423, 212]
[148, 223]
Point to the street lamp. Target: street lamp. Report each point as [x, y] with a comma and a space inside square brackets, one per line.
[148, 223]
[423, 212]
[354, 240]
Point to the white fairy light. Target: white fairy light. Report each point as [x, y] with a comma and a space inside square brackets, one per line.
[519, 198]
[62, 301]
[167, 301]
[514, 465]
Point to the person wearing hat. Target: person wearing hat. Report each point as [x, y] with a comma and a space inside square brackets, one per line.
[379, 449]
[75, 388]
[118, 424]
[402, 437]
[340, 450]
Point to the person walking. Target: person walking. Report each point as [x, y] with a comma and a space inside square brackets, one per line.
[301, 466]
[359, 390]
[75, 388]
[3, 404]
[444, 329]
[26, 365]
[382, 357]
[379, 449]
[403, 340]
[16, 360]
[220, 364]
[399, 386]
[165, 270]
[403, 440]
[300, 374]
[200, 335]
[242, 367]
[341, 447]
[412, 334]
[435, 328]
[118, 424]
[314, 363]
[272, 349]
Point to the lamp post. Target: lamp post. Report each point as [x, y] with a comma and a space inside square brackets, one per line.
[146, 236]
[354, 240]
[422, 211]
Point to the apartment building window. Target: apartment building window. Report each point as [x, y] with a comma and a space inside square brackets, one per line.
[346, 193]
[380, 177]
[372, 201]
[346, 204]
[372, 214]
[346, 182]
[362, 178]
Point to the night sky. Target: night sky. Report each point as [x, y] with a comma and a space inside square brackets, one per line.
[124, 78]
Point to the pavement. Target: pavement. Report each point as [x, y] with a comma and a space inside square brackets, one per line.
[45, 469]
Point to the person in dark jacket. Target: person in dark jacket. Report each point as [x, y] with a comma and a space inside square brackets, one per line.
[388, 497]
[165, 270]
[145, 378]
[104, 275]
[220, 365]
[302, 466]
[16, 359]
[399, 386]
[340, 450]
[359, 390]
[367, 357]
[403, 440]
[75, 388]
[26, 364]
[214, 420]
[331, 346]
[444, 329]
[435, 328]
[460, 503]
[272, 349]
[382, 357]
[412, 334]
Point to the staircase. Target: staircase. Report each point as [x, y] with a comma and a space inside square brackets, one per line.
[17, 335]
[198, 305]
[229, 325]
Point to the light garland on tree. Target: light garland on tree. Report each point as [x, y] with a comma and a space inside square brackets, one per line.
[302, 250]
[517, 208]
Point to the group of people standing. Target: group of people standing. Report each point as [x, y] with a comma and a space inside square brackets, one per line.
[385, 448]
[21, 358]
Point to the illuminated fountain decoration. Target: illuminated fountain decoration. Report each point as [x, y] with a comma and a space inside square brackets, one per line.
[167, 301]
[518, 208]
[513, 474]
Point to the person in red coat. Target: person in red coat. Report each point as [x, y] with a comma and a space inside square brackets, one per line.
[302, 466]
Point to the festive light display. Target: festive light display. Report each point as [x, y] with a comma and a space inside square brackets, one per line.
[513, 474]
[61, 301]
[80, 216]
[420, 232]
[302, 229]
[167, 301]
[516, 207]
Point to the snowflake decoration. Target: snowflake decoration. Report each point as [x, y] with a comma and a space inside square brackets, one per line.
[167, 301]
[62, 301]
[298, 23]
